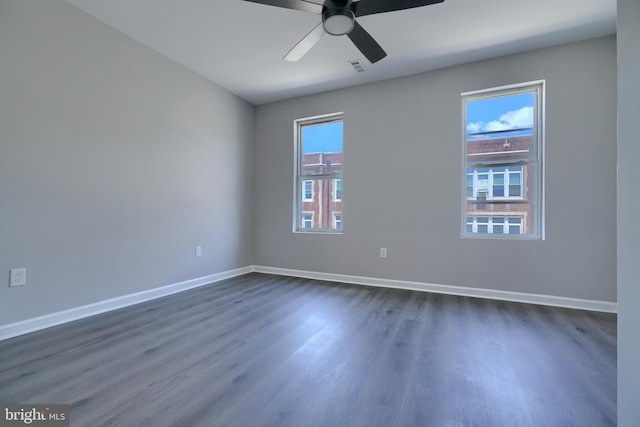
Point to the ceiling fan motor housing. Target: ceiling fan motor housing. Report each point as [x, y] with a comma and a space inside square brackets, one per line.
[337, 17]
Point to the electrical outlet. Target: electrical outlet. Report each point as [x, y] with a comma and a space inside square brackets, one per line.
[198, 250]
[383, 252]
[18, 277]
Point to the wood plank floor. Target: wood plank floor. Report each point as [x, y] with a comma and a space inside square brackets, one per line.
[264, 350]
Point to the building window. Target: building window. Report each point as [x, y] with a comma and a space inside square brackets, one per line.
[307, 191]
[495, 225]
[337, 221]
[318, 174]
[337, 190]
[306, 221]
[495, 183]
[502, 162]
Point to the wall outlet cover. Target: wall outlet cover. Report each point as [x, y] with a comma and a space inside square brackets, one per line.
[18, 277]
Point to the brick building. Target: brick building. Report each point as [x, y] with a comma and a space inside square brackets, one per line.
[321, 196]
[499, 185]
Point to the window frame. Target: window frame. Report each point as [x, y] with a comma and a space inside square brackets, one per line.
[506, 222]
[329, 179]
[303, 214]
[490, 187]
[303, 188]
[335, 189]
[337, 220]
[532, 168]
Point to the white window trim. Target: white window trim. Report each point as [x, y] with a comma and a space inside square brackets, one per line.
[521, 216]
[490, 185]
[298, 177]
[304, 190]
[304, 213]
[539, 86]
[335, 189]
[335, 225]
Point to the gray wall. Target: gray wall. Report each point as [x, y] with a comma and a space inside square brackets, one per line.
[628, 208]
[114, 163]
[402, 179]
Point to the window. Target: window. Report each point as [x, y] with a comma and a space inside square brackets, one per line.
[307, 191]
[337, 221]
[502, 162]
[495, 225]
[307, 220]
[494, 183]
[318, 174]
[337, 190]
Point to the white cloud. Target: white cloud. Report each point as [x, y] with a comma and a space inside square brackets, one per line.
[475, 127]
[522, 118]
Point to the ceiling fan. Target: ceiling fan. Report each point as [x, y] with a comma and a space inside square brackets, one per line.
[339, 18]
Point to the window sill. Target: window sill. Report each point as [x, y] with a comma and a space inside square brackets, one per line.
[332, 232]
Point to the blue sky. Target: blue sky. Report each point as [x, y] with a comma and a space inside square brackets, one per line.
[502, 113]
[325, 138]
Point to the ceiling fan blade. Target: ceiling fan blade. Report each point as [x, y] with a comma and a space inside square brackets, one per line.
[369, 7]
[304, 45]
[366, 44]
[301, 5]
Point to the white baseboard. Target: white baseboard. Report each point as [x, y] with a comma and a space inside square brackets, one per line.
[550, 300]
[60, 317]
[42, 322]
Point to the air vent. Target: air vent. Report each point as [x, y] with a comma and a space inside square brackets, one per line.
[358, 65]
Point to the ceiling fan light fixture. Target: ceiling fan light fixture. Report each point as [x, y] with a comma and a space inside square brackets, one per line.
[338, 22]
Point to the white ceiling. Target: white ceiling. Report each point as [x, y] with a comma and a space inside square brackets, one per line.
[239, 45]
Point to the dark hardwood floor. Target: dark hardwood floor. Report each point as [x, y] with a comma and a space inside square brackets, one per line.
[263, 350]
